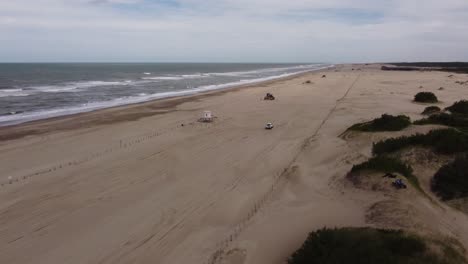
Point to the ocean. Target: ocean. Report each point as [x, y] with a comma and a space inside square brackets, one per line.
[33, 91]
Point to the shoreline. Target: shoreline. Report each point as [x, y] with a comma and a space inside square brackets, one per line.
[156, 106]
[150, 189]
[23, 117]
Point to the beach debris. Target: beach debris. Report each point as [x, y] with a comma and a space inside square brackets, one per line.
[269, 96]
[307, 82]
[420, 87]
[324, 76]
[269, 126]
[441, 88]
[207, 117]
[399, 184]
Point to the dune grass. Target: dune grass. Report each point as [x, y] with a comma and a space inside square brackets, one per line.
[452, 120]
[371, 246]
[457, 118]
[387, 164]
[445, 141]
[384, 123]
[460, 107]
[451, 181]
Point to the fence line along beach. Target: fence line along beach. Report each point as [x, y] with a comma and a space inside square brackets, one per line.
[149, 182]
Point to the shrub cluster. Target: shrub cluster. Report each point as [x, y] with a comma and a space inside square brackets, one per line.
[431, 110]
[384, 164]
[459, 67]
[387, 164]
[425, 97]
[446, 141]
[453, 120]
[460, 107]
[451, 181]
[383, 123]
[369, 246]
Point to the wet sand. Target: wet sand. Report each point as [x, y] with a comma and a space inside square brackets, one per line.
[148, 183]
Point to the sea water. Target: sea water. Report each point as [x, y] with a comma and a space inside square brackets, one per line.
[32, 91]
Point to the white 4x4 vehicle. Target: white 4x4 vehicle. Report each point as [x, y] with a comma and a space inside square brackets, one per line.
[269, 126]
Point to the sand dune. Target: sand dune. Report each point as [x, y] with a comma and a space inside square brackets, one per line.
[150, 184]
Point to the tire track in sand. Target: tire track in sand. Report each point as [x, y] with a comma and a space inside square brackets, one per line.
[224, 244]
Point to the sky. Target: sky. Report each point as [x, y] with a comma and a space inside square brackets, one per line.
[233, 30]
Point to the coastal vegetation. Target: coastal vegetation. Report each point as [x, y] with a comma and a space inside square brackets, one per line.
[386, 164]
[384, 123]
[458, 116]
[444, 141]
[456, 67]
[453, 120]
[368, 246]
[425, 97]
[451, 181]
[431, 110]
[460, 107]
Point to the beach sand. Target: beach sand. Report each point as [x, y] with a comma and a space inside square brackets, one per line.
[147, 183]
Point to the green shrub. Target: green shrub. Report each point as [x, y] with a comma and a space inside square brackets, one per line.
[383, 123]
[445, 141]
[387, 164]
[431, 110]
[453, 120]
[460, 107]
[384, 164]
[425, 97]
[451, 181]
[369, 246]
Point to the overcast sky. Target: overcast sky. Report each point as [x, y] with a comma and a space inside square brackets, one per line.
[233, 30]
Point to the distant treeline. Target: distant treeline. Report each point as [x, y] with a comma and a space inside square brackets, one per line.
[458, 67]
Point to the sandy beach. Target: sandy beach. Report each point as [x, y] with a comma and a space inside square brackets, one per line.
[147, 183]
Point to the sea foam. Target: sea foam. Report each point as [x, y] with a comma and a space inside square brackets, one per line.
[137, 98]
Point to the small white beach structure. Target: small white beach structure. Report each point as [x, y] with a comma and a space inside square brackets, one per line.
[207, 116]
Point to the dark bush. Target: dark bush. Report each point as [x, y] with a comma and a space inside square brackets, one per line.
[453, 120]
[460, 107]
[425, 97]
[383, 123]
[459, 67]
[431, 110]
[451, 181]
[388, 165]
[368, 246]
[384, 164]
[445, 141]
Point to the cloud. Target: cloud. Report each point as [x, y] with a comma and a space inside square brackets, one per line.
[233, 30]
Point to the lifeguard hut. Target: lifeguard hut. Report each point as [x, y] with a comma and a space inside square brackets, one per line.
[207, 117]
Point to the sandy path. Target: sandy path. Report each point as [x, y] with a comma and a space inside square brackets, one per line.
[153, 191]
